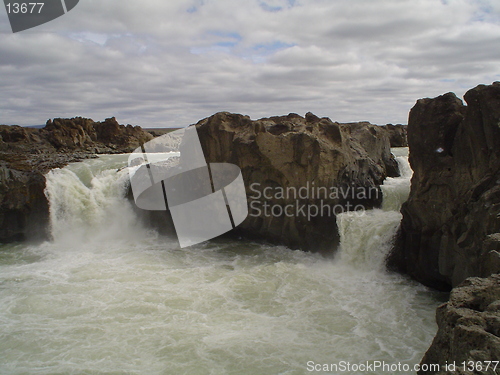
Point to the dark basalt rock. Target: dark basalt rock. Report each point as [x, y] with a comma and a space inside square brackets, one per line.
[24, 210]
[453, 211]
[293, 152]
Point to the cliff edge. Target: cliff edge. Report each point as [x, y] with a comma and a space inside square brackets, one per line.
[451, 221]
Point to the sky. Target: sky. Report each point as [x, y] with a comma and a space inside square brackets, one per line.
[159, 63]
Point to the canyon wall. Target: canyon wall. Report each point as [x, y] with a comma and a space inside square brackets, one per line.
[451, 220]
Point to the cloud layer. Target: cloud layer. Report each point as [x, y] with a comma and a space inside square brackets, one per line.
[171, 63]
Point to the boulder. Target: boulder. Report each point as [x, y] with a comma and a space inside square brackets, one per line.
[14, 139]
[13, 134]
[287, 153]
[469, 329]
[454, 204]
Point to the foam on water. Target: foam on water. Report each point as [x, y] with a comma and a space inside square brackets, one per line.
[366, 237]
[396, 190]
[119, 299]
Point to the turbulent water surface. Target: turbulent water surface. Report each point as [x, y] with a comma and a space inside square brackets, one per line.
[107, 296]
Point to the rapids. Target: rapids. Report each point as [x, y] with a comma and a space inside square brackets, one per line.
[109, 296]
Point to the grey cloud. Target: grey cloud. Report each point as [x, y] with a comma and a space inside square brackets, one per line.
[349, 60]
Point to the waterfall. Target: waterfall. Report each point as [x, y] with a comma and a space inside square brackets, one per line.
[88, 203]
[367, 237]
[396, 190]
[109, 296]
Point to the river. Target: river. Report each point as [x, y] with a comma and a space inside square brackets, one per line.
[109, 296]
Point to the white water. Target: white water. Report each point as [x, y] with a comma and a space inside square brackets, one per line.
[367, 237]
[396, 190]
[108, 296]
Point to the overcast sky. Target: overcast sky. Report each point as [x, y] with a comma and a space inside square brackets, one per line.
[159, 63]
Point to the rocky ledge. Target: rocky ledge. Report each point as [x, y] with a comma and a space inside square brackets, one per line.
[26, 154]
[289, 153]
[469, 330]
[451, 221]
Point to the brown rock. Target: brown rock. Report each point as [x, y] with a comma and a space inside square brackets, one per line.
[84, 134]
[469, 328]
[293, 152]
[397, 134]
[454, 204]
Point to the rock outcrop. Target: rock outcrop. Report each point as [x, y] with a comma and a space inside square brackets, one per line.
[23, 205]
[100, 137]
[451, 220]
[397, 134]
[279, 156]
[469, 330]
[26, 154]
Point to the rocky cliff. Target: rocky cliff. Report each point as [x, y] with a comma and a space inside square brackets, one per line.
[26, 154]
[451, 220]
[279, 156]
[469, 329]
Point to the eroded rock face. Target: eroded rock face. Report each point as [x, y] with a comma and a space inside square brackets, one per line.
[81, 133]
[291, 152]
[453, 212]
[469, 328]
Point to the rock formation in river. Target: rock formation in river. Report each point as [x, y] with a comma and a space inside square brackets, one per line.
[289, 151]
[293, 152]
[23, 205]
[469, 329]
[451, 221]
[27, 153]
[397, 134]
